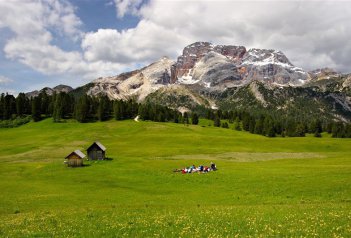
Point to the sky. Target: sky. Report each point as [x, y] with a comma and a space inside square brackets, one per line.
[51, 42]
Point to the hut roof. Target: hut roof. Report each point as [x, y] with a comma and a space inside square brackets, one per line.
[103, 148]
[77, 152]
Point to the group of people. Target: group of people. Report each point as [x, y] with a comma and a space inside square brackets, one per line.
[199, 169]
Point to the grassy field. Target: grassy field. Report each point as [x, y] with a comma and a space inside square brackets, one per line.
[265, 187]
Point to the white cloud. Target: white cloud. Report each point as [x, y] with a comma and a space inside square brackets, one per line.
[130, 46]
[34, 24]
[27, 18]
[125, 7]
[5, 80]
[311, 33]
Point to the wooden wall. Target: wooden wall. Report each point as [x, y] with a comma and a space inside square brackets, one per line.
[95, 153]
[74, 161]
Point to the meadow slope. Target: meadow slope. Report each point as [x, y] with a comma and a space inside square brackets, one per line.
[264, 186]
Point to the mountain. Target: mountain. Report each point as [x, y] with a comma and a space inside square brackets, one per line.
[135, 84]
[227, 77]
[205, 66]
[224, 66]
[50, 91]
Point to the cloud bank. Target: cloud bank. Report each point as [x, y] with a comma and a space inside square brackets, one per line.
[35, 26]
[312, 34]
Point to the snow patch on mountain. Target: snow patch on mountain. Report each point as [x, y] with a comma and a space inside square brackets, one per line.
[260, 57]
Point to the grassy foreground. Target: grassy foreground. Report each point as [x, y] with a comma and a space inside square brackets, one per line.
[265, 187]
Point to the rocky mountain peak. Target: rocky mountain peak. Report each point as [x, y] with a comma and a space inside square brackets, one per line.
[195, 52]
[263, 57]
[199, 64]
[62, 88]
[235, 53]
[50, 91]
[271, 66]
[197, 49]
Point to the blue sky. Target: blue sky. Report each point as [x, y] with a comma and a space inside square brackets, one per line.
[51, 42]
[94, 14]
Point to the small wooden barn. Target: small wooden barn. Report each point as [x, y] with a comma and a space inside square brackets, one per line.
[75, 159]
[96, 151]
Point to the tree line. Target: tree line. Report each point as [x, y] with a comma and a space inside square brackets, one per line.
[271, 125]
[86, 108]
[19, 110]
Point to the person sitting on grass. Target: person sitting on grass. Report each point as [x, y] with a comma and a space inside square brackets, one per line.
[200, 168]
[213, 166]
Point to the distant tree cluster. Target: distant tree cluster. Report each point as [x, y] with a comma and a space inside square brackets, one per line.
[272, 125]
[18, 110]
[86, 108]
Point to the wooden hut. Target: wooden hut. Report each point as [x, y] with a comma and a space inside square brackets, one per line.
[96, 151]
[75, 159]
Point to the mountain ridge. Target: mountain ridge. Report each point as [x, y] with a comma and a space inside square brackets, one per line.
[204, 73]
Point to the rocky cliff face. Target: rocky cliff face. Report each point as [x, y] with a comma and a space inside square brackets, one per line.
[236, 66]
[135, 84]
[272, 67]
[182, 69]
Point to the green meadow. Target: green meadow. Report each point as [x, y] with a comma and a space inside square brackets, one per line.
[264, 187]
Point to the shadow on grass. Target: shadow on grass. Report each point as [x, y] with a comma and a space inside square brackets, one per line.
[82, 166]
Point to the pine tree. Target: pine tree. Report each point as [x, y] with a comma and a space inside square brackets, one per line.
[315, 127]
[194, 119]
[246, 122]
[209, 114]
[103, 111]
[225, 125]
[2, 100]
[44, 107]
[300, 130]
[348, 130]
[9, 106]
[82, 109]
[237, 124]
[270, 130]
[217, 121]
[317, 134]
[231, 117]
[118, 111]
[252, 124]
[176, 117]
[329, 127]
[338, 130]
[143, 112]
[258, 127]
[21, 104]
[58, 108]
[186, 118]
[36, 113]
[268, 127]
[290, 129]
